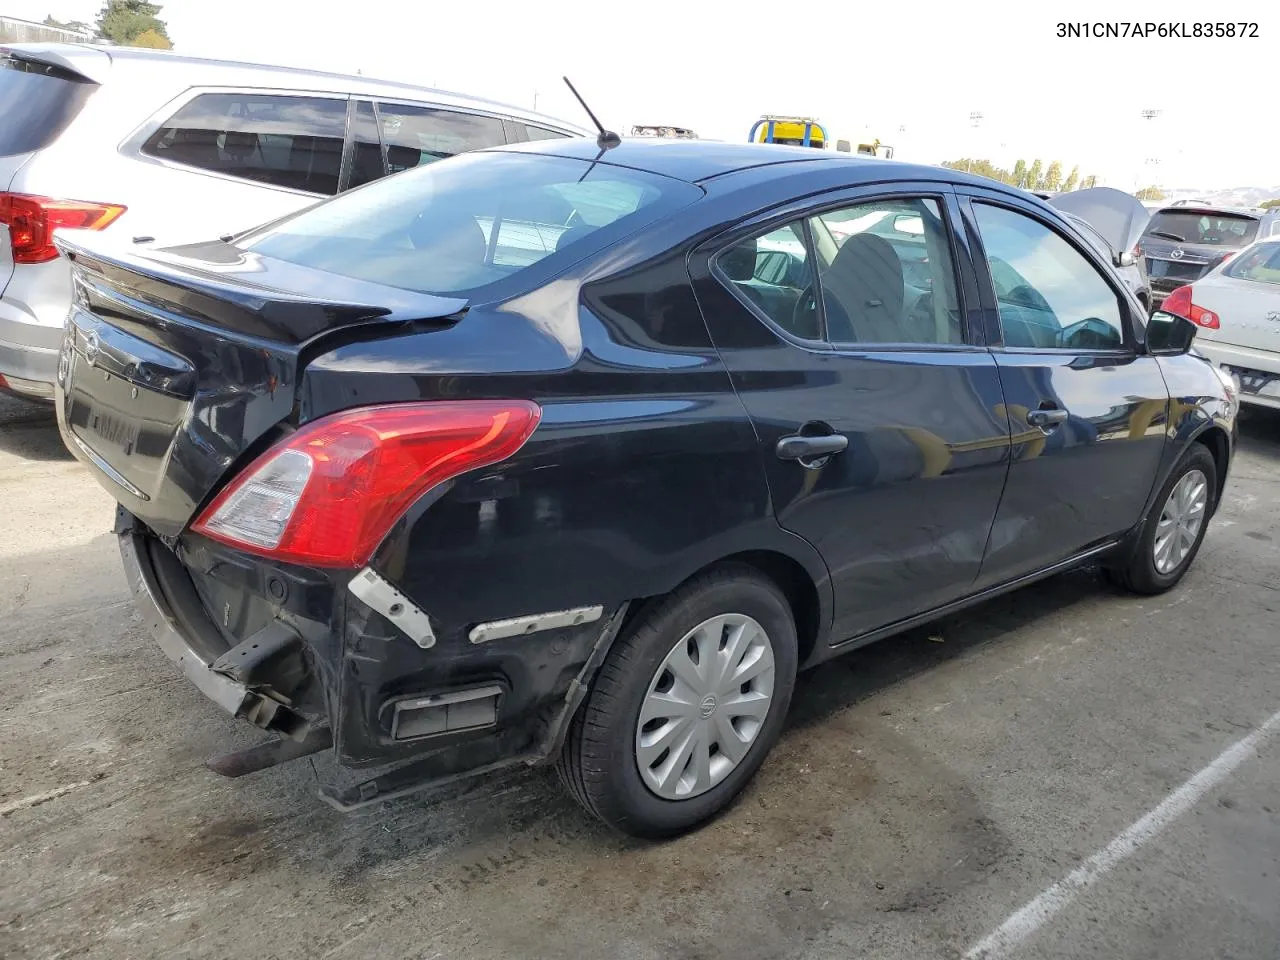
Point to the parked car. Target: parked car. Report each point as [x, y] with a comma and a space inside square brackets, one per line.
[167, 149]
[1185, 241]
[1237, 307]
[517, 458]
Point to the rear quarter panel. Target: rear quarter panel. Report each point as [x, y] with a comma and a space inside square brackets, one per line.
[643, 470]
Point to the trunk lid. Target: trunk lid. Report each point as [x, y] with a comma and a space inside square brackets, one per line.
[179, 364]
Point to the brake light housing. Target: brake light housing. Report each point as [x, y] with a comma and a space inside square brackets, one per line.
[1181, 303]
[33, 220]
[328, 494]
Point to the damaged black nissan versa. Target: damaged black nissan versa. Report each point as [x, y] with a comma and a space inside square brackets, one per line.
[554, 453]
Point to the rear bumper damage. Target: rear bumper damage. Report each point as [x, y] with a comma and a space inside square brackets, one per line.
[401, 712]
[230, 695]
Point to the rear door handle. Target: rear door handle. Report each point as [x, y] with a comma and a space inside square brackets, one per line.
[810, 448]
[1046, 418]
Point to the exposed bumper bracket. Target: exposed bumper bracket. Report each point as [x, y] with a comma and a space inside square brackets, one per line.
[381, 596]
[148, 598]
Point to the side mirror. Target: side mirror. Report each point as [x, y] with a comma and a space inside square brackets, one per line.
[1125, 259]
[842, 146]
[1169, 335]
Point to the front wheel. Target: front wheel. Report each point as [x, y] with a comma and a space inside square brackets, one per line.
[686, 705]
[1175, 527]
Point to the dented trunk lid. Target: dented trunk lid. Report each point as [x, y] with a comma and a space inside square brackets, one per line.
[180, 364]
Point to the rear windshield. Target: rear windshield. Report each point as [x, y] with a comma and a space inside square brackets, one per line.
[1192, 226]
[1260, 263]
[470, 222]
[37, 102]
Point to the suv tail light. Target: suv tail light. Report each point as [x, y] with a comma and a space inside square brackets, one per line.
[1180, 304]
[33, 220]
[327, 495]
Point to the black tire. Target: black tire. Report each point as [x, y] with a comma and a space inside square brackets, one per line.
[1139, 574]
[598, 763]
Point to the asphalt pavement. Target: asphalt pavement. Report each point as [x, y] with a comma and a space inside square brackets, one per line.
[1065, 772]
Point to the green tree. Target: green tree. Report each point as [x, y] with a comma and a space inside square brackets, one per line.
[1150, 193]
[1268, 204]
[1020, 174]
[1090, 182]
[981, 168]
[73, 25]
[1053, 177]
[1034, 177]
[1073, 179]
[124, 21]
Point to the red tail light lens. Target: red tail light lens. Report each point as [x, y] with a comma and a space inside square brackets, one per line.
[33, 220]
[1180, 304]
[327, 495]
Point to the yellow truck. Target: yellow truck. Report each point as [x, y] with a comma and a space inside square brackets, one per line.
[808, 132]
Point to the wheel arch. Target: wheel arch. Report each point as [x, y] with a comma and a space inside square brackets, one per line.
[1215, 438]
[805, 584]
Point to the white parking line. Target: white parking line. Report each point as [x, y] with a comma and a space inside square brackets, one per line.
[39, 798]
[1039, 911]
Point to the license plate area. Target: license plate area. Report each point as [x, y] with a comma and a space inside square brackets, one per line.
[121, 404]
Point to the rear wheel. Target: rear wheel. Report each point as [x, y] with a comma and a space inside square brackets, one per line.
[1175, 527]
[686, 705]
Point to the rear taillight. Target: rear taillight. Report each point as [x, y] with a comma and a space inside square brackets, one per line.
[1181, 304]
[33, 220]
[328, 494]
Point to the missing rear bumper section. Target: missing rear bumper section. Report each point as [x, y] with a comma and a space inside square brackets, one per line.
[229, 694]
[399, 715]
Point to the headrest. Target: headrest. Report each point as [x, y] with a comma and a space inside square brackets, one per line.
[573, 235]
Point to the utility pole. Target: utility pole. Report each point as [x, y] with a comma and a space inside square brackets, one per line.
[1146, 115]
[975, 120]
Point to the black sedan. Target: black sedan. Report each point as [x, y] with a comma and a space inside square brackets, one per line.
[576, 455]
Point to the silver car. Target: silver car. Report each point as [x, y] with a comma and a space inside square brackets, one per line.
[165, 149]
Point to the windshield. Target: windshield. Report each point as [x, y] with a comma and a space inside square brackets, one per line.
[1260, 263]
[1192, 226]
[37, 102]
[469, 222]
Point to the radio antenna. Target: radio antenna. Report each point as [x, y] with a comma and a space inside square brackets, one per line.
[607, 139]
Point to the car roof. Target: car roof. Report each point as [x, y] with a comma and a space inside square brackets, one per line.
[99, 63]
[698, 161]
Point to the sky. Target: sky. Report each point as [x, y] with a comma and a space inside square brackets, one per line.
[910, 73]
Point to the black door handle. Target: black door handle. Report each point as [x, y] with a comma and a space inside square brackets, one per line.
[809, 448]
[1046, 418]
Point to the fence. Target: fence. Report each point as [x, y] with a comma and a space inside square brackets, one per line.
[24, 31]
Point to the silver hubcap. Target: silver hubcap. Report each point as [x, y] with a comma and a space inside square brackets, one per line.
[705, 706]
[1180, 521]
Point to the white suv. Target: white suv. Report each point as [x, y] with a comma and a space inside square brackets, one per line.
[168, 149]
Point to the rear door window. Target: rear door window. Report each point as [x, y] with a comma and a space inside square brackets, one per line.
[542, 133]
[281, 140]
[37, 102]
[416, 134]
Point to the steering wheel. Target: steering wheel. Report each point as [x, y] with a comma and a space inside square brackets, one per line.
[1104, 335]
[804, 316]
